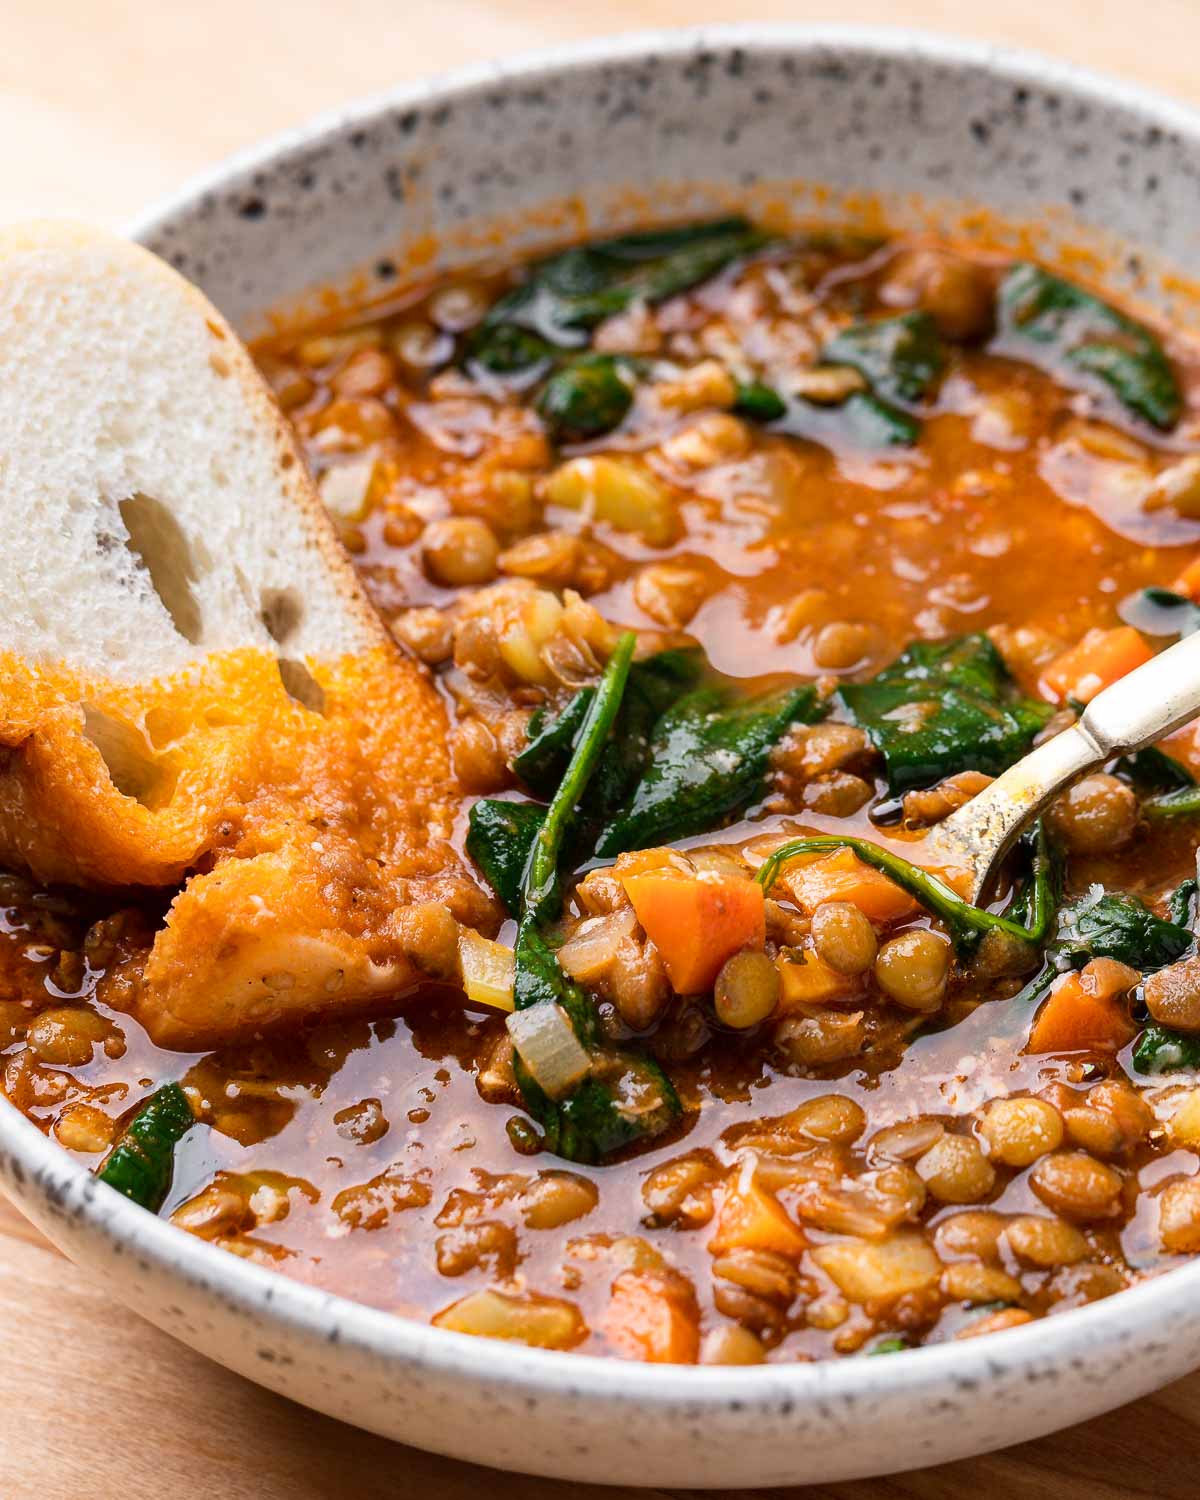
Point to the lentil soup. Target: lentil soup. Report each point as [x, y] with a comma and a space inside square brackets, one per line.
[738, 563]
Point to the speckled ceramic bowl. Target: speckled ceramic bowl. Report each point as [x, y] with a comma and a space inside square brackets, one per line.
[797, 125]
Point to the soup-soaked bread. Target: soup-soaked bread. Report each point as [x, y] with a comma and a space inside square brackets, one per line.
[193, 687]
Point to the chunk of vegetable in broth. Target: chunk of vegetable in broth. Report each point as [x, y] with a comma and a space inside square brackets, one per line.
[1109, 924]
[861, 422]
[586, 398]
[1058, 326]
[622, 1096]
[569, 293]
[901, 358]
[1112, 924]
[707, 760]
[1168, 789]
[142, 1162]
[501, 833]
[1158, 1049]
[944, 707]
[499, 839]
[1160, 613]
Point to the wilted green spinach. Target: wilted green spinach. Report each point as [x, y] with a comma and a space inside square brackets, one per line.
[1058, 326]
[943, 707]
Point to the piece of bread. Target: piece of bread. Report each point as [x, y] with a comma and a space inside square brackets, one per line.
[117, 380]
[193, 685]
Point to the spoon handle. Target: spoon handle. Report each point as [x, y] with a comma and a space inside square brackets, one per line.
[1144, 706]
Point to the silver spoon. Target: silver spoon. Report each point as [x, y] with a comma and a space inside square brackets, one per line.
[1144, 706]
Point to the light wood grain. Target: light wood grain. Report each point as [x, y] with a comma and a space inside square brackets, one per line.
[105, 104]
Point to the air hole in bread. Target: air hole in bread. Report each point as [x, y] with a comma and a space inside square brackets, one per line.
[300, 684]
[220, 366]
[157, 540]
[281, 612]
[131, 764]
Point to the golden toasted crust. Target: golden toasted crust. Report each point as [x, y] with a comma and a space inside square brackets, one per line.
[211, 758]
[298, 833]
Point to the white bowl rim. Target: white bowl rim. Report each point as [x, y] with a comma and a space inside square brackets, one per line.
[71, 1189]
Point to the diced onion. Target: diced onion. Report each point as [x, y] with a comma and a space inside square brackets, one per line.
[588, 954]
[541, 1322]
[616, 491]
[549, 1048]
[487, 970]
[344, 489]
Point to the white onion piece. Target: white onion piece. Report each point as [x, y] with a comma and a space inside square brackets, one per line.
[549, 1048]
[588, 954]
[344, 489]
[487, 969]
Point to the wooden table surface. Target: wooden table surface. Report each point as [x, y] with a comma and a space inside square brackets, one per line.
[104, 106]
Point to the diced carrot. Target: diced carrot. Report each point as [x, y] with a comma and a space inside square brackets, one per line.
[842, 876]
[806, 979]
[750, 1218]
[697, 921]
[653, 1317]
[1188, 582]
[1081, 1015]
[1099, 659]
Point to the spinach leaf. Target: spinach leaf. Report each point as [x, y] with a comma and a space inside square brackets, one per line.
[862, 422]
[541, 896]
[506, 349]
[708, 759]
[1061, 328]
[895, 1345]
[1181, 908]
[900, 358]
[654, 684]
[1111, 924]
[1158, 1049]
[499, 839]
[547, 752]
[965, 923]
[757, 401]
[1168, 788]
[1152, 770]
[142, 1162]
[944, 707]
[587, 397]
[529, 334]
[1184, 802]
[569, 293]
[624, 1099]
